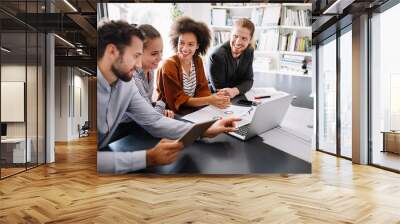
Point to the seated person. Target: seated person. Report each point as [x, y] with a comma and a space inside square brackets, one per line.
[120, 48]
[231, 64]
[152, 55]
[181, 80]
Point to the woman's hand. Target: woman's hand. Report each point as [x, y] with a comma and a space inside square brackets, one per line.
[220, 101]
[231, 92]
[169, 113]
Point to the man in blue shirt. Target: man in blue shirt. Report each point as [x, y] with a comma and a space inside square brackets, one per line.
[120, 48]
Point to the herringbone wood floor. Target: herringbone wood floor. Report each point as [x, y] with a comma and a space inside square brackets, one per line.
[70, 191]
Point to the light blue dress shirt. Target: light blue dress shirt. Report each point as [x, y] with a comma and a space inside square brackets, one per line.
[123, 98]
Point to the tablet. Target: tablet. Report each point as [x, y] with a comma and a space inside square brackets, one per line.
[195, 132]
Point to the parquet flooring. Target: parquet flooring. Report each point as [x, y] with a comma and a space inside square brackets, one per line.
[70, 191]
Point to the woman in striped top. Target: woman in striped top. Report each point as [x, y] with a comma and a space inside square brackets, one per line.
[181, 80]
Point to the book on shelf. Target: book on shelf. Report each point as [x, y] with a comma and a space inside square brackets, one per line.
[291, 42]
[283, 42]
[268, 40]
[296, 64]
[271, 15]
[296, 17]
[257, 16]
[293, 58]
[303, 44]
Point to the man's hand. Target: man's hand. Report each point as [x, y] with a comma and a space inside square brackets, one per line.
[221, 126]
[231, 92]
[169, 113]
[165, 152]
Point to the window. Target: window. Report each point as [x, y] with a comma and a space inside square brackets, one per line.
[385, 85]
[22, 68]
[346, 93]
[139, 14]
[327, 96]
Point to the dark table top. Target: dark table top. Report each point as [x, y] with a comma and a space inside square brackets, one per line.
[220, 155]
[223, 154]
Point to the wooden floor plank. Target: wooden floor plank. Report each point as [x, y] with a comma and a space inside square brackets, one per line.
[71, 191]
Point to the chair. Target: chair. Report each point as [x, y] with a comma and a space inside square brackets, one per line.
[84, 130]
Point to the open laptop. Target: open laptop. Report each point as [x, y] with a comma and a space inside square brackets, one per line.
[266, 116]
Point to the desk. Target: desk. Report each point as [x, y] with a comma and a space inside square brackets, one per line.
[13, 150]
[391, 141]
[221, 155]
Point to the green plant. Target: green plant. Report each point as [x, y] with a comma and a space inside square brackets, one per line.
[175, 11]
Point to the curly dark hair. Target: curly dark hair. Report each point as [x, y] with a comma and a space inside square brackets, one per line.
[119, 33]
[187, 25]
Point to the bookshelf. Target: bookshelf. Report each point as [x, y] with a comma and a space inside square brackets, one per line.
[282, 37]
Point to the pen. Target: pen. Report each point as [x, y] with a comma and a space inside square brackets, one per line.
[261, 97]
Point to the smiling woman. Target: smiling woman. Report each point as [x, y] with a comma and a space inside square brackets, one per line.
[181, 79]
[152, 55]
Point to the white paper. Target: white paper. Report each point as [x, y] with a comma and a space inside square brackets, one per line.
[211, 112]
[253, 92]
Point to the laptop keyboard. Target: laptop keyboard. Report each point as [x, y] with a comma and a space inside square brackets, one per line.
[243, 130]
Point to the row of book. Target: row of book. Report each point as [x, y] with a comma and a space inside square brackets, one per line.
[269, 15]
[272, 40]
[296, 17]
[266, 16]
[268, 40]
[296, 63]
[291, 42]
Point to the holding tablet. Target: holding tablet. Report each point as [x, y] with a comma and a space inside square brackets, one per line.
[195, 132]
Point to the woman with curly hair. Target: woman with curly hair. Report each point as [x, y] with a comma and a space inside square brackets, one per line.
[181, 80]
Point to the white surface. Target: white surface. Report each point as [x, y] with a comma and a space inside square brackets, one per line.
[294, 136]
[211, 112]
[268, 91]
[218, 17]
[19, 149]
[12, 101]
[300, 127]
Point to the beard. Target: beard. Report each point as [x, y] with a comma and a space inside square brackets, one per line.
[124, 76]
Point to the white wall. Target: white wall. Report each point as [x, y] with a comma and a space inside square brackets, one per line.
[15, 72]
[79, 117]
[198, 11]
[61, 103]
[68, 83]
[33, 126]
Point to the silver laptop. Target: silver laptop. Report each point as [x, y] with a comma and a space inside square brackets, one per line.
[266, 116]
